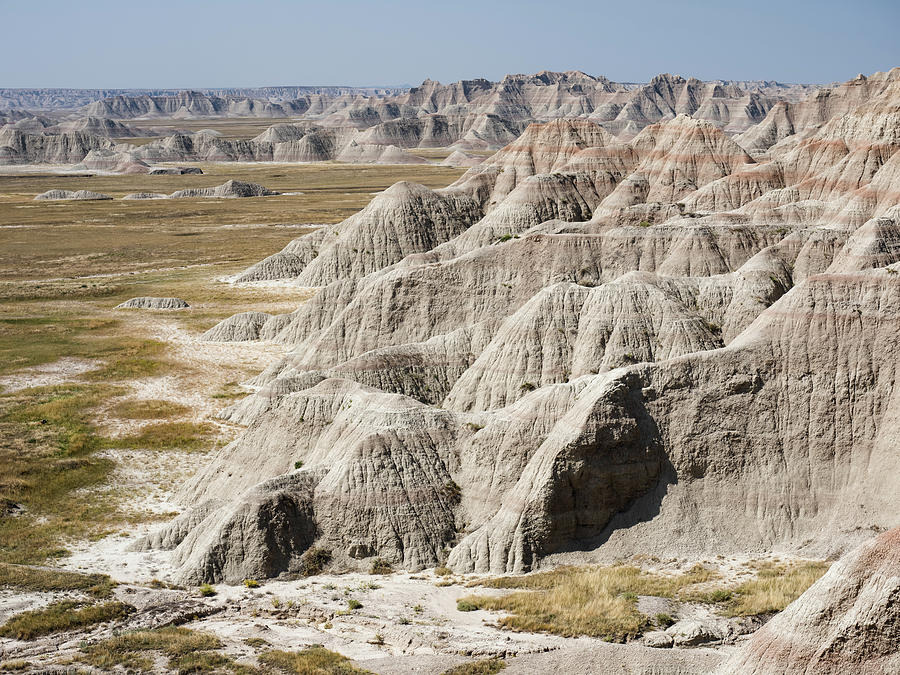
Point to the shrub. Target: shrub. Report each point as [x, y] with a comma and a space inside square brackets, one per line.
[251, 583]
[664, 620]
[465, 605]
[353, 603]
[207, 591]
[380, 566]
[298, 464]
[314, 561]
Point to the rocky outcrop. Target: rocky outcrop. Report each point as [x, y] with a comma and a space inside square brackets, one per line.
[153, 303]
[231, 189]
[661, 346]
[175, 171]
[847, 622]
[83, 195]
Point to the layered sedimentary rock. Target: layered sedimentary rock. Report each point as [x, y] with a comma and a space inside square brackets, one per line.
[230, 189]
[847, 622]
[662, 346]
[79, 195]
[148, 302]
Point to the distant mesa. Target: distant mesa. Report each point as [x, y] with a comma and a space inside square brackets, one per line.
[228, 190]
[78, 195]
[175, 171]
[233, 189]
[148, 302]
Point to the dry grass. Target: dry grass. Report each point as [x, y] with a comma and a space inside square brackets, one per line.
[312, 661]
[484, 667]
[148, 410]
[774, 588]
[60, 617]
[79, 238]
[63, 268]
[599, 602]
[187, 651]
[47, 580]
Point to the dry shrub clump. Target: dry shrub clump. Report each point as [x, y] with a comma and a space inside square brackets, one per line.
[774, 588]
[312, 661]
[599, 602]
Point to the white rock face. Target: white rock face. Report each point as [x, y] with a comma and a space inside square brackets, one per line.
[153, 303]
[661, 346]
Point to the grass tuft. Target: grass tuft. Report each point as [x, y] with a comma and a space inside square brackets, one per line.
[774, 588]
[47, 580]
[312, 661]
[484, 667]
[61, 616]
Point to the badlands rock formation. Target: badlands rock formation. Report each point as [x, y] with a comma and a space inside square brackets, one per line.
[661, 346]
[848, 622]
[82, 195]
[231, 189]
[153, 303]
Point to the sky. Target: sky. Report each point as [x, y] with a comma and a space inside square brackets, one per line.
[225, 43]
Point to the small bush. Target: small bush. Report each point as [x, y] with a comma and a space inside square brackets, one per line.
[528, 386]
[465, 605]
[207, 591]
[251, 583]
[380, 566]
[353, 603]
[314, 561]
[256, 642]
[443, 571]
[664, 620]
[298, 464]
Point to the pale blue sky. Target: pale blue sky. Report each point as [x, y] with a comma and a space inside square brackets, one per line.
[206, 43]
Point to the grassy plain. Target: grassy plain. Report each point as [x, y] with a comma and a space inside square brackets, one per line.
[63, 268]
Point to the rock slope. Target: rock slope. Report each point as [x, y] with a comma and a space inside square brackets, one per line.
[847, 622]
[658, 345]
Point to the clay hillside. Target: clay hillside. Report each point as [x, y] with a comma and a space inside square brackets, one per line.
[662, 346]
[375, 126]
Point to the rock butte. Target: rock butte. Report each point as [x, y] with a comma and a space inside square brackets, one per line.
[379, 126]
[661, 345]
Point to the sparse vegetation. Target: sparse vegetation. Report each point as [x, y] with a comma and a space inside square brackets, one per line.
[664, 620]
[251, 583]
[466, 605]
[62, 616]
[188, 651]
[298, 464]
[354, 604]
[314, 561]
[45, 580]
[312, 661]
[528, 386]
[599, 601]
[442, 571]
[380, 566]
[484, 667]
[774, 588]
[207, 591]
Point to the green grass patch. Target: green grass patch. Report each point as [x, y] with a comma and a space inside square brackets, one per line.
[163, 435]
[47, 458]
[47, 580]
[312, 661]
[60, 617]
[148, 410]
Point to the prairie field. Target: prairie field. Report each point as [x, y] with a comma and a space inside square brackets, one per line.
[83, 385]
